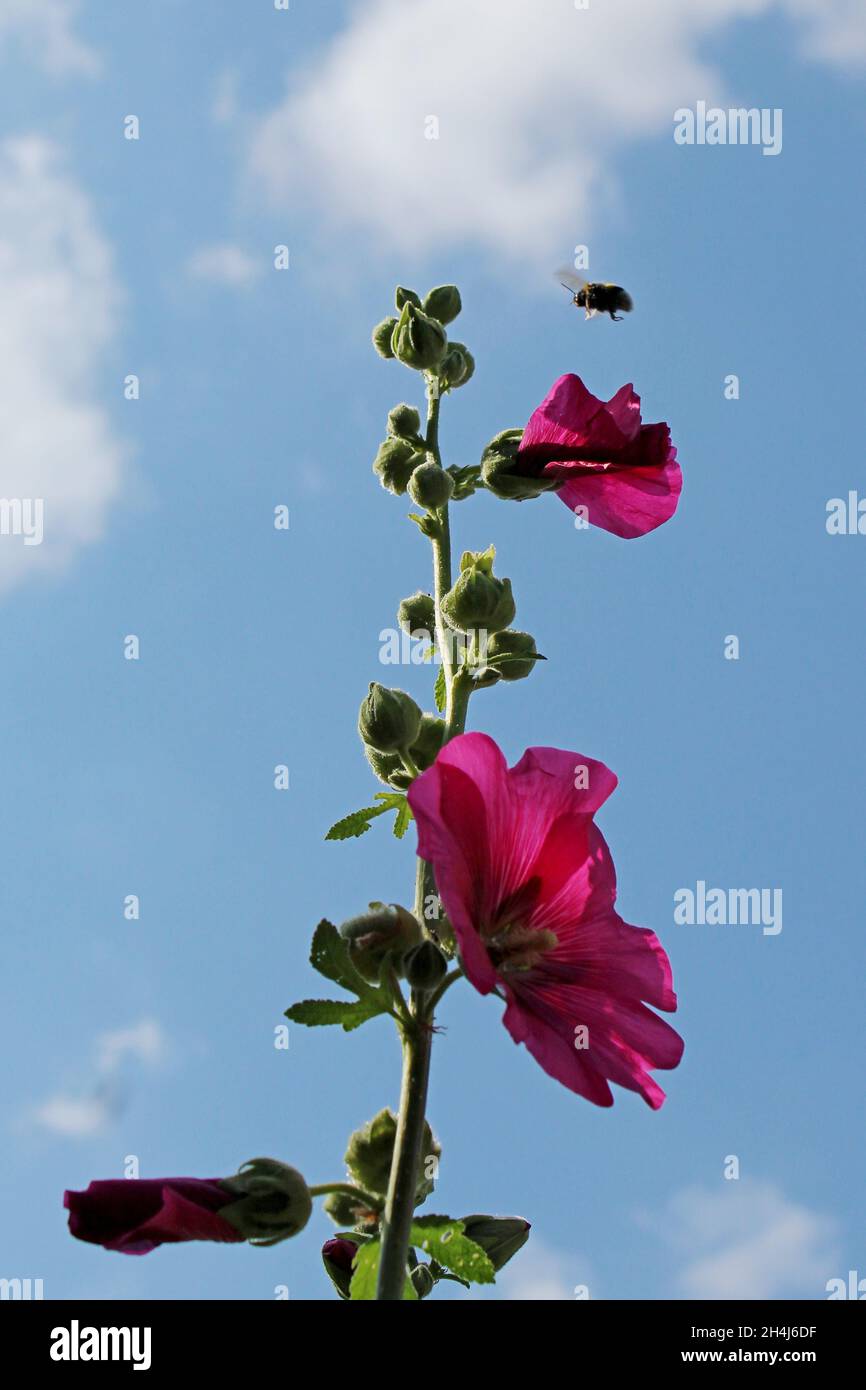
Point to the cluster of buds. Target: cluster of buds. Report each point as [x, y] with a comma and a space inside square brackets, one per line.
[417, 337]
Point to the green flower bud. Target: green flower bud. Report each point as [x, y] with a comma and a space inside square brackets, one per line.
[429, 741]
[417, 613]
[479, 602]
[430, 486]
[273, 1202]
[382, 334]
[499, 1236]
[425, 966]
[395, 463]
[512, 644]
[457, 366]
[349, 1211]
[422, 1280]
[479, 559]
[404, 422]
[500, 472]
[443, 303]
[403, 296]
[389, 767]
[418, 341]
[389, 720]
[383, 931]
[371, 1149]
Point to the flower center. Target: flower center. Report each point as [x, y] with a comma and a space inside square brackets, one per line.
[517, 948]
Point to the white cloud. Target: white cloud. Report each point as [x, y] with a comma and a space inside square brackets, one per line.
[144, 1042]
[44, 30]
[59, 302]
[224, 264]
[533, 102]
[538, 1273]
[80, 1115]
[747, 1240]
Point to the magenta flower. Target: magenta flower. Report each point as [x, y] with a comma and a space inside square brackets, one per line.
[135, 1215]
[603, 458]
[529, 886]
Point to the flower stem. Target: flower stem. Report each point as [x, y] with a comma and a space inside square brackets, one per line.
[323, 1188]
[400, 1202]
[417, 1034]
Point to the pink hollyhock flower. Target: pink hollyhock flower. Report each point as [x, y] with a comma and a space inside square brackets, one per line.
[529, 886]
[602, 457]
[136, 1215]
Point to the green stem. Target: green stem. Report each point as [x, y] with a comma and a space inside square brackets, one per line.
[322, 1190]
[400, 1202]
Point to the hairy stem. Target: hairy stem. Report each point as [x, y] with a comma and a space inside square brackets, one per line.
[400, 1202]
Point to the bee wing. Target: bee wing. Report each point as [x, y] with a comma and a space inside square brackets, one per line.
[567, 277]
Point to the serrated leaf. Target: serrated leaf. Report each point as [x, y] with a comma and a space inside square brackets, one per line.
[355, 824]
[349, 1014]
[443, 1238]
[330, 956]
[366, 1272]
[402, 819]
[440, 690]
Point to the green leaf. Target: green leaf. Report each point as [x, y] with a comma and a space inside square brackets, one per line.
[315, 1013]
[366, 1267]
[355, 824]
[330, 956]
[402, 819]
[440, 690]
[443, 1239]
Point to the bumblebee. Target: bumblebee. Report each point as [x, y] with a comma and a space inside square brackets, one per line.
[596, 297]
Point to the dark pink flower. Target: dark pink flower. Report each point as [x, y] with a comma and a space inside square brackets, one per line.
[135, 1215]
[603, 458]
[529, 886]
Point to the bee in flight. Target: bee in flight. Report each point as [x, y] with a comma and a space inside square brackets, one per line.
[596, 297]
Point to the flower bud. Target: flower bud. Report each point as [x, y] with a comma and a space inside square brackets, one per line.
[499, 1236]
[381, 932]
[457, 367]
[389, 720]
[443, 303]
[428, 742]
[347, 1211]
[418, 341]
[395, 463]
[273, 1201]
[425, 966]
[479, 601]
[500, 470]
[422, 1280]
[382, 334]
[390, 768]
[512, 644]
[404, 422]
[337, 1257]
[417, 613]
[403, 296]
[371, 1149]
[430, 486]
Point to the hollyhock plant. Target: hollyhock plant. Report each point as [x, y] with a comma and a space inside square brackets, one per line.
[529, 887]
[595, 455]
[514, 886]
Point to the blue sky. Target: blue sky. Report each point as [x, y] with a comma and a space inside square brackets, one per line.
[259, 387]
